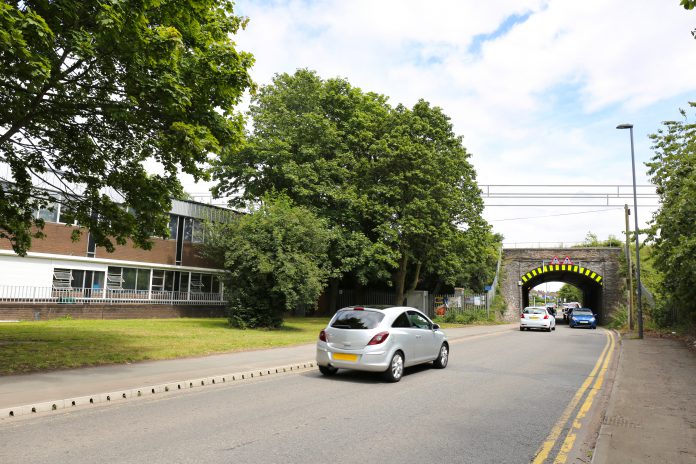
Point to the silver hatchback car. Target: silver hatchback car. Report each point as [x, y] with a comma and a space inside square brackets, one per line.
[380, 339]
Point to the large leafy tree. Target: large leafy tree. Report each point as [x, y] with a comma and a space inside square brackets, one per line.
[422, 190]
[277, 260]
[394, 184]
[309, 139]
[673, 171]
[91, 90]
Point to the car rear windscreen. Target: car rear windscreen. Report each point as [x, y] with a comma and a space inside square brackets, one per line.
[356, 319]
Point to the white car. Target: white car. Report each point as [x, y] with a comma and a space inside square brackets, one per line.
[380, 339]
[537, 317]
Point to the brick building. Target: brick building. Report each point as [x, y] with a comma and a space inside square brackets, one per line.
[59, 277]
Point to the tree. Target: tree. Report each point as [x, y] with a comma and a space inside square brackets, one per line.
[421, 190]
[673, 171]
[91, 90]
[592, 240]
[394, 184]
[309, 139]
[276, 258]
[570, 293]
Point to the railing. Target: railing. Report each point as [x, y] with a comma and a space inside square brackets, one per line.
[35, 295]
[556, 245]
[441, 305]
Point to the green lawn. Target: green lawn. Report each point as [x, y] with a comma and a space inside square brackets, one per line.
[60, 344]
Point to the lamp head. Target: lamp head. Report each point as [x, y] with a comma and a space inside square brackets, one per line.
[625, 126]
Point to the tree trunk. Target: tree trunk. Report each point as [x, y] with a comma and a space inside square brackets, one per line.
[400, 280]
[414, 284]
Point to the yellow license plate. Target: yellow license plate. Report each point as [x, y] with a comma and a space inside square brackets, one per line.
[534, 317]
[345, 357]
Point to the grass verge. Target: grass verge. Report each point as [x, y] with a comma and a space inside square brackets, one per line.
[62, 344]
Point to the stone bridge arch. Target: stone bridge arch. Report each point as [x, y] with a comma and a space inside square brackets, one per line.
[595, 271]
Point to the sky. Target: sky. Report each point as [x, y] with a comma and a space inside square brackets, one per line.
[535, 87]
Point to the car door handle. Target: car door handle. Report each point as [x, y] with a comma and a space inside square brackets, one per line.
[418, 336]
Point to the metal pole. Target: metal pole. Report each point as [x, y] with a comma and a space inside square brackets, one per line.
[630, 271]
[635, 216]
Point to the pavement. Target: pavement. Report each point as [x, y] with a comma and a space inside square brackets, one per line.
[650, 414]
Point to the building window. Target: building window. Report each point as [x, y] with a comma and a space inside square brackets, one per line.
[49, 213]
[78, 279]
[173, 226]
[143, 280]
[62, 278]
[188, 229]
[114, 279]
[198, 231]
[132, 278]
[194, 230]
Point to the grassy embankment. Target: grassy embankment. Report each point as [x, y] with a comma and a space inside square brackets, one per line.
[61, 344]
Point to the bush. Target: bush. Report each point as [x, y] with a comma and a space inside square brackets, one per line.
[465, 317]
[276, 258]
[499, 306]
[619, 319]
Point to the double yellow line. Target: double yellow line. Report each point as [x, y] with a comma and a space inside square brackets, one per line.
[597, 374]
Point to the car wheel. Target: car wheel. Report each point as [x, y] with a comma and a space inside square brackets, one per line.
[396, 368]
[441, 361]
[328, 370]
[554, 328]
[521, 329]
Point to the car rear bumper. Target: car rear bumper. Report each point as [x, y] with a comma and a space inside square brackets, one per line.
[533, 324]
[376, 361]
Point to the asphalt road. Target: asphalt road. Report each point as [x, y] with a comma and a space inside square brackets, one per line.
[496, 402]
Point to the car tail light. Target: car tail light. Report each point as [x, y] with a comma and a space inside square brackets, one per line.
[546, 316]
[323, 337]
[379, 338]
[522, 316]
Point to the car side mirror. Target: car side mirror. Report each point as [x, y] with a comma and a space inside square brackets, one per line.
[436, 327]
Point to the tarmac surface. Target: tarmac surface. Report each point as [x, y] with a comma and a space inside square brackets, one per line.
[650, 414]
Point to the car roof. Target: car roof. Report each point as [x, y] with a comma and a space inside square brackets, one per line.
[383, 308]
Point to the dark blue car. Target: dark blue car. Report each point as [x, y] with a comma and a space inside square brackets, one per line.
[582, 317]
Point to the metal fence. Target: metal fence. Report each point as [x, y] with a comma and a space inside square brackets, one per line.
[35, 295]
[457, 303]
[441, 305]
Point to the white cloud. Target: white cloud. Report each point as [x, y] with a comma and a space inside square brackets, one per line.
[536, 86]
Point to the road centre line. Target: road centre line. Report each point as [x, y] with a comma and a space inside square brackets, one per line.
[546, 447]
[568, 443]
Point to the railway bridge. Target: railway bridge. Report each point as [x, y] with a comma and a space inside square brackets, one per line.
[595, 271]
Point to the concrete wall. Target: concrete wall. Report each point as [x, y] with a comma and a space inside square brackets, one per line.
[604, 261]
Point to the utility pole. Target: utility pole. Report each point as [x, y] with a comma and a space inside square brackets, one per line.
[627, 212]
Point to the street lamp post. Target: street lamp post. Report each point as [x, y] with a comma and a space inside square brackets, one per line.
[635, 216]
